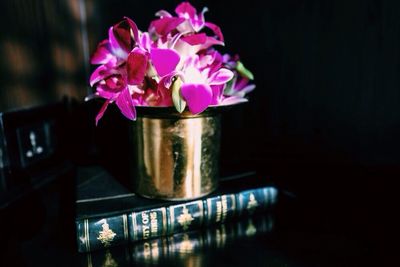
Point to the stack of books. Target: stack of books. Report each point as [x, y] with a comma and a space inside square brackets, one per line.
[109, 215]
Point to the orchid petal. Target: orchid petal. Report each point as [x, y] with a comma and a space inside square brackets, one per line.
[212, 41]
[163, 13]
[145, 41]
[99, 74]
[115, 46]
[197, 96]
[168, 79]
[126, 105]
[115, 83]
[217, 94]
[199, 24]
[103, 91]
[102, 55]
[186, 10]
[193, 75]
[185, 27]
[233, 100]
[248, 88]
[165, 25]
[195, 39]
[215, 29]
[186, 50]
[101, 111]
[240, 83]
[134, 28]
[221, 76]
[137, 66]
[244, 91]
[164, 60]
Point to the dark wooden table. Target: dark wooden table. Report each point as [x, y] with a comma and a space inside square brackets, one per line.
[312, 226]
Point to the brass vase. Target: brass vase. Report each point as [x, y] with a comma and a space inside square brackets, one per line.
[176, 155]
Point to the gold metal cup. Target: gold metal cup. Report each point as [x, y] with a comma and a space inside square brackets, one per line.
[176, 156]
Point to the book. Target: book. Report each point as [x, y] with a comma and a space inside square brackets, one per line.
[180, 246]
[119, 217]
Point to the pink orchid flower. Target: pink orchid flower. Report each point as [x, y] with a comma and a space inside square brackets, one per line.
[200, 88]
[139, 68]
[124, 65]
[187, 22]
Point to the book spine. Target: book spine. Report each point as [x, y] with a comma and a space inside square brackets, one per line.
[179, 246]
[102, 233]
[94, 234]
[147, 224]
[254, 201]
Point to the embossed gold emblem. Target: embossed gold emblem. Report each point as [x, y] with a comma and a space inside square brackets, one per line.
[185, 219]
[252, 203]
[106, 235]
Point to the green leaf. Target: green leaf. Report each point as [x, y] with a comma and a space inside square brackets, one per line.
[179, 103]
[243, 71]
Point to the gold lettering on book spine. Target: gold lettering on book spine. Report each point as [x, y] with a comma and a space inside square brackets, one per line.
[145, 225]
[185, 219]
[107, 235]
[153, 223]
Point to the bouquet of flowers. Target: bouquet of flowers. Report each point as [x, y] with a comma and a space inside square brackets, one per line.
[174, 63]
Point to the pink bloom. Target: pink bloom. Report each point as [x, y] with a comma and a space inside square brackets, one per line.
[139, 68]
[200, 88]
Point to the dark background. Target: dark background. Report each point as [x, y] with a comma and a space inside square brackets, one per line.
[324, 119]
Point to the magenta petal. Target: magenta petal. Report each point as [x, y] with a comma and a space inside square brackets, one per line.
[221, 76]
[115, 46]
[210, 42]
[186, 8]
[164, 60]
[165, 25]
[136, 66]
[215, 29]
[105, 92]
[134, 28]
[195, 39]
[197, 96]
[101, 111]
[125, 104]
[217, 94]
[102, 55]
[99, 74]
